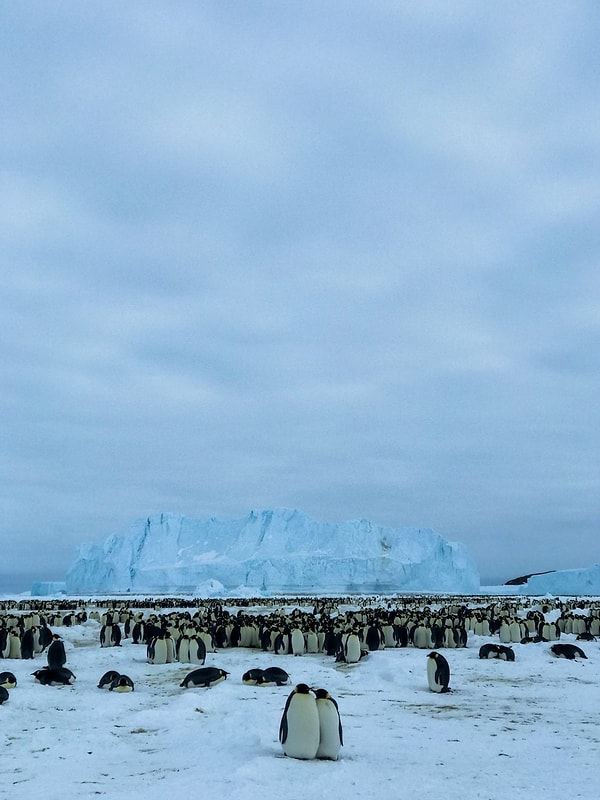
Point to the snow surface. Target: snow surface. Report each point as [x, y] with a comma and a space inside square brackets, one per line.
[278, 551]
[529, 728]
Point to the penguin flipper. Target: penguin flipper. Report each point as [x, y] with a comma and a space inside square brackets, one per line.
[283, 729]
[283, 725]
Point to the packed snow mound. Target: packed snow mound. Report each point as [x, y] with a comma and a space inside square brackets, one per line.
[585, 581]
[269, 552]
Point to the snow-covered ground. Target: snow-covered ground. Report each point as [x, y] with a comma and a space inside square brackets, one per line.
[529, 727]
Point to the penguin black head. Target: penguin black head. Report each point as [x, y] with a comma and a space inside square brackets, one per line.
[322, 694]
[302, 688]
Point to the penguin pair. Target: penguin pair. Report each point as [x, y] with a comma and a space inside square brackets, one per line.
[115, 682]
[311, 726]
[500, 651]
[262, 677]
[54, 676]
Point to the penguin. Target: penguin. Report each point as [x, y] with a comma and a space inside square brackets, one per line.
[110, 636]
[14, 645]
[197, 650]
[331, 736]
[438, 673]
[299, 731]
[586, 636]
[4, 643]
[570, 651]
[205, 676]
[156, 650]
[489, 650]
[352, 649]
[56, 652]
[273, 675]
[54, 676]
[505, 653]
[122, 683]
[3, 695]
[297, 642]
[27, 643]
[8, 680]
[107, 679]
[251, 677]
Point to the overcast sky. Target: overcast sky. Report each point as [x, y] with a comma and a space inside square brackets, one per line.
[334, 256]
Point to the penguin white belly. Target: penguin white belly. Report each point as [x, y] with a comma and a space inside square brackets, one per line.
[516, 634]
[329, 730]
[431, 670]
[302, 721]
[298, 644]
[352, 649]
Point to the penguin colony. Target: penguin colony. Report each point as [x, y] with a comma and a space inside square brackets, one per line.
[184, 631]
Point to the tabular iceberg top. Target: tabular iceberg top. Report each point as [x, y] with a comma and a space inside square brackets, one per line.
[276, 551]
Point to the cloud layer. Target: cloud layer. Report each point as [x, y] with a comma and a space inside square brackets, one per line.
[338, 258]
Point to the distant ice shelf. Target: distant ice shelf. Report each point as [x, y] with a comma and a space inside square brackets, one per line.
[270, 552]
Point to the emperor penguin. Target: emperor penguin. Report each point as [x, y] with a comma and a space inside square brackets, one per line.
[352, 648]
[54, 676]
[204, 677]
[273, 675]
[4, 695]
[438, 672]
[8, 680]
[156, 651]
[298, 645]
[122, 683]
[570, 651]
[106, 680]
[331, 737]
[299, 730]
[56, 652]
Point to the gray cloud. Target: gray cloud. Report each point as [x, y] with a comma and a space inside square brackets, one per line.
[337, 258]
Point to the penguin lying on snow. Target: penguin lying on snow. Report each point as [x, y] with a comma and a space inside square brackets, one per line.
[122, 683]
[263, 677]
[570, 651]
[273, 675]
[54, 676]
[497, 651]
[3, 695]
[250, 678]
[8, 680]
[205, 676]
[106, 680]
[310, 726]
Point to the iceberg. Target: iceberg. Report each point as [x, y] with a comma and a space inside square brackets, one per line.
[584, 581]
[280, 551]
[48, 588]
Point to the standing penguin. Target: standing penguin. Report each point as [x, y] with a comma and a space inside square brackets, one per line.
[330, 726]
[438, 673]
[299, 730]
[56, 652]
